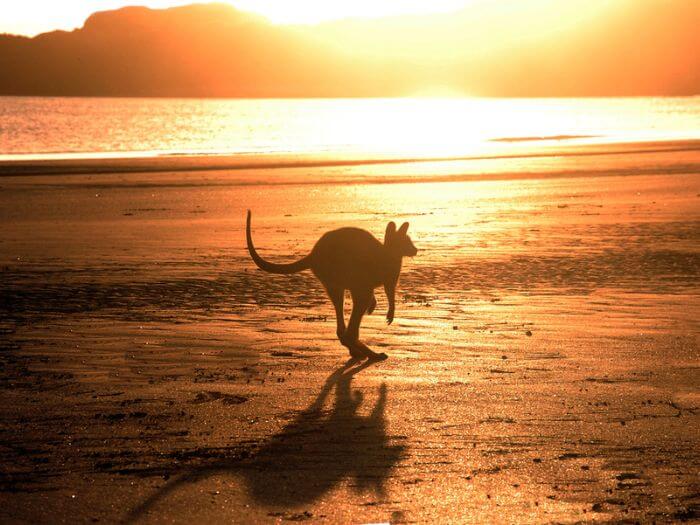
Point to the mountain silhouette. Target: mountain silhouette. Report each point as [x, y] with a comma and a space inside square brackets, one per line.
[199, 50]
[214, 50]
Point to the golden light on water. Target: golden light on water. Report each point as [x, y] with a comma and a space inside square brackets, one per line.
[415, 127]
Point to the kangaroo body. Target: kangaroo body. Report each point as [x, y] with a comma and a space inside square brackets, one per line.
[351, 259]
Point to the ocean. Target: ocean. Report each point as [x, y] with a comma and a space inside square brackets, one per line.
[54, 127]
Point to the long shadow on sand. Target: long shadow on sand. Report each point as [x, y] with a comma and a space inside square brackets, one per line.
[312, 454]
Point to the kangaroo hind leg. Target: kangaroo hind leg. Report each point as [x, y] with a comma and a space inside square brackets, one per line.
[372, 305]
[337, 297]
[361, 300]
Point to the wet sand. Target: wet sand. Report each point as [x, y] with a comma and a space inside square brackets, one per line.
[543, 364]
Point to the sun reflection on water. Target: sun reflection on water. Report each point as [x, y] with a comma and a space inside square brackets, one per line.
[405, 127]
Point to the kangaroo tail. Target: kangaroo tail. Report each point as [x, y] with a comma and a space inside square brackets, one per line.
[302, 264]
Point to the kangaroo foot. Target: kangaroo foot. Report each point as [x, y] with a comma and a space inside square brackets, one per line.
[368, 353]
[381, 356]
[356, 355]
[355, 352]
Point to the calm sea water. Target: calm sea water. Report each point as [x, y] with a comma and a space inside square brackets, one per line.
[58, 127]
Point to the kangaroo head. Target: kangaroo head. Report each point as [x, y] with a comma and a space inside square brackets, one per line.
[398, 242]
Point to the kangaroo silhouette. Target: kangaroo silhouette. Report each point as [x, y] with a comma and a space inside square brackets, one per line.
[351, 259]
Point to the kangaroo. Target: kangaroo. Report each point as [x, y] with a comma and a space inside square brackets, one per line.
[351, 259]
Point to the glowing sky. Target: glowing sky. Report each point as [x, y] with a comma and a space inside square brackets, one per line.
[30, 17]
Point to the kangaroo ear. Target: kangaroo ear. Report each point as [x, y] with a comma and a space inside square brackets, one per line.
[390, 231]
[403, 229]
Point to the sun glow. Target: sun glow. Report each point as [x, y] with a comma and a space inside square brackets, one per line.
[439, 92]
[314, 11]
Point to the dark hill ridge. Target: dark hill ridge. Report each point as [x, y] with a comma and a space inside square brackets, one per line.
[197, 50]
[213, 50]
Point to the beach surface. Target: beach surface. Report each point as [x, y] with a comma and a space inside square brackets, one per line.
[543, 363]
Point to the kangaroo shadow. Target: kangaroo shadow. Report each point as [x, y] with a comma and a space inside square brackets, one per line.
[321, 448]
[311, 455]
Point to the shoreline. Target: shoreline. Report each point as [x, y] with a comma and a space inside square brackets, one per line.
[673, 156]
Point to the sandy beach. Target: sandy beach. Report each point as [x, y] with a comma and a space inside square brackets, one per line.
[543, 363]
